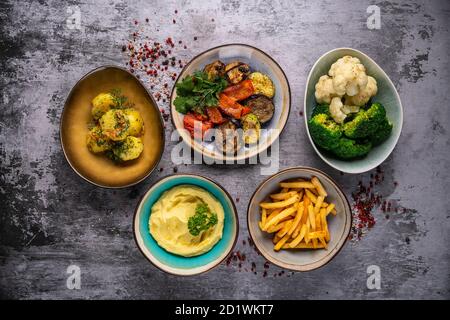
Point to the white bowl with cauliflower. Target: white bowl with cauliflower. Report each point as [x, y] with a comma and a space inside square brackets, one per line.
[353, 113]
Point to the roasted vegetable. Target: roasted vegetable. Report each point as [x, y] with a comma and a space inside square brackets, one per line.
[236, 71]
[135, 120]
[190, 121]
[102, 103]
[128, 149]
[366, 122]
[215, 70]
[251, 127]
[115, 124]
[240, 91]
[214, 115]
[382, 133]
[96, 141]
[324, 131]
[321, 108]
[231, 107]
[262, 107]
[262, 84]
[349, 149]
[227, 138]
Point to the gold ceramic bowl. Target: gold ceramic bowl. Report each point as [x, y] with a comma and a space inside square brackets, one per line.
[97, 168]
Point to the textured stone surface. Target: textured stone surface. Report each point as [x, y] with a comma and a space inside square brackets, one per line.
[50, 218]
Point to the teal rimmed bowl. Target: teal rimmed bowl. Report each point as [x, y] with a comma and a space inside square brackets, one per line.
[176, 264]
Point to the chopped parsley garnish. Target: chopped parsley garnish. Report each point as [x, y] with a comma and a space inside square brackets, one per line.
[120, 101]
[196, 92]
[202, 220]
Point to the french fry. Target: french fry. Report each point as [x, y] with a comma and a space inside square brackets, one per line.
[306, 203]
[297, 219]
[281, 204]
[283, 195]
[307, 231]
[312, 217]
[316, 234]
[283, 214]
[303, 245]
[330, 208]
[311, 196]
[299, 238]
[296, 215]
[315, 243]
[323, 215]
[276, 227]
[280, 243]
[320, 189]
[322, 241]
[299, 184]
[318, 204]
[276, 239]
[318, 222]
[285, 229]
[263, 217]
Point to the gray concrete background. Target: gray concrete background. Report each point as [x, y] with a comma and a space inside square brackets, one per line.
[50, 218]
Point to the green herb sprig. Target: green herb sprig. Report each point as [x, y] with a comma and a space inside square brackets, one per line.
[196, 92]
[202, 220]
[120, 101]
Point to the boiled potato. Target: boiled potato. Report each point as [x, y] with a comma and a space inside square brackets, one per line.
[101, 104]
[96, 141]
[128, 149]
[115, 124]
[136, 122]
[262, 84]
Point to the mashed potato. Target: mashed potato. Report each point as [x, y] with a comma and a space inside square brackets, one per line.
[169, 221]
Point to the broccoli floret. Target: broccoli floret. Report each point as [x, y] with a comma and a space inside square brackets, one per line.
[324, 131]
[349, 149]
[383, 132]
[321, 108]
[366, 122]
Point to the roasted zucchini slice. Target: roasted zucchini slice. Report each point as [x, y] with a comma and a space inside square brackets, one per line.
[251, 127]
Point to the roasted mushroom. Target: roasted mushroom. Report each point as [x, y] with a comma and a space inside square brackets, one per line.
[262, 107]
[227, 138]
[215, 69]
[237, 71]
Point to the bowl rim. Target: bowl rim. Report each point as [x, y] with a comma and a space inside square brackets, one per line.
[155, 106]
[234, 158]
[318, 152]
[233, 207]
[341, 242]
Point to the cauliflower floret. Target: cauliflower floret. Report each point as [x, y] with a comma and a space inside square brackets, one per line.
[363, 96]
[350, 109]
[325, 90]
[348, 76]
[336, 112]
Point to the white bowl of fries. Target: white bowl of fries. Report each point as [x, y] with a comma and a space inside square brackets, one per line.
[299, 218]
